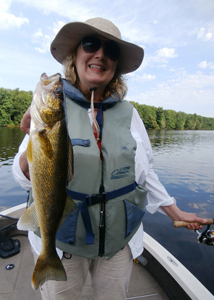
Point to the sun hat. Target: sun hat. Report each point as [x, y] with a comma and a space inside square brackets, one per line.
[71, 34]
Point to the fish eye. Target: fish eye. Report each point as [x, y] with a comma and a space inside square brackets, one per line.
[58, 91]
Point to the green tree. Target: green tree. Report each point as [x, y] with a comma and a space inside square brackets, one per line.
[6, 107]
[199, 123]
[161, 120]
[158, 118]
[191, 122]
[149, 116]
[208, 123]
[180, 120]
[170, 116]
[21, 102]
[13, 104]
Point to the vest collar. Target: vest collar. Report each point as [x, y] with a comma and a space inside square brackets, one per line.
[75, 95]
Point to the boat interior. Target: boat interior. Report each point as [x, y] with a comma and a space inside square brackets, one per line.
[149, 280]
[16, 272]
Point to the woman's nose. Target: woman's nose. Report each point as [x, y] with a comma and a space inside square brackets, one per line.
[100, 52]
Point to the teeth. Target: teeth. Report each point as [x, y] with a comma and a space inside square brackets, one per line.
[96, 67]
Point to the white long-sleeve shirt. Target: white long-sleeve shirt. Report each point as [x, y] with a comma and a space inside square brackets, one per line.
[157, 196]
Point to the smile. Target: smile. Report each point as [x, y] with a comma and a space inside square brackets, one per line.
[96, 67]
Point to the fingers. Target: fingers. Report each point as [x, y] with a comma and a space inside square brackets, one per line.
[193, 225]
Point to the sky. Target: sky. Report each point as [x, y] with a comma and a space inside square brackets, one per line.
[177, 37]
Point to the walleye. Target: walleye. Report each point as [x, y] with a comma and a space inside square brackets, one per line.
[49, 155]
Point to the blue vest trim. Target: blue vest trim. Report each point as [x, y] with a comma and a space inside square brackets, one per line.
[89, 239]
[67, 231]
[80, 142]
[100, 120]
[76, 96]
[134, 216]
[97, 198]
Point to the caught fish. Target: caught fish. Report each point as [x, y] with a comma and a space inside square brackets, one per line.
[49, 155]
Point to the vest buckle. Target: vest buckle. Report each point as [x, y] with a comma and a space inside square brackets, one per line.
[95, 198]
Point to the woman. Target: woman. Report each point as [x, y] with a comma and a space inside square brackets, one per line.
[115, 166]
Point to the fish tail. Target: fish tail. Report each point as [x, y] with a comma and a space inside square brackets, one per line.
[47, 269]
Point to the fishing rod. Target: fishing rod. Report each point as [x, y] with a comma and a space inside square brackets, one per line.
[205, 237]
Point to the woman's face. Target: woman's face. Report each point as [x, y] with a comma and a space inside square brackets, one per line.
[95, 70]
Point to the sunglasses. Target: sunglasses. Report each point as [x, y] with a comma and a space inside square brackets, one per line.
[92, 44]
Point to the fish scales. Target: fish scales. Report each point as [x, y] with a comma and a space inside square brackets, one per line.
[50, 168]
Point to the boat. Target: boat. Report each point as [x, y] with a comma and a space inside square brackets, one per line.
[156, 275]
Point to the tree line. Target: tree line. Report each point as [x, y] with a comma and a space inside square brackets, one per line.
[159, 118]
[14, 103]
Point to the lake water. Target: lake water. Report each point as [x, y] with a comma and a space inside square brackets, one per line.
[184, 162]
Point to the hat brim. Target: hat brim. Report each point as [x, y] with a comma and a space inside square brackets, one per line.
[71, 34]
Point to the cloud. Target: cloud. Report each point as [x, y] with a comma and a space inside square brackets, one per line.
[205, 65]
[9, 20]
[204, 35]
[166, 53]
[174, 39]
[57, 26]
[191, 93]
[159, 60]
[43, 40]
[72, 10]
[162, 56]
[145, 77]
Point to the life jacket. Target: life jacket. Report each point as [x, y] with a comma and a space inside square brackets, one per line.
[109, 202]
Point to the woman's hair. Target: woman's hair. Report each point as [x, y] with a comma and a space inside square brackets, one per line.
[116, 85]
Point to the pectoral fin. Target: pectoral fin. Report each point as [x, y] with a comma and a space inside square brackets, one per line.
[45, 143]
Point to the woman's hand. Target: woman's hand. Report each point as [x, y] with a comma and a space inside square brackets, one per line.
[25, 122]
[178, 215]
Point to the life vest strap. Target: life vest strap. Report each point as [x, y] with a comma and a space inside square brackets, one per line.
[88, 200]
[105, 196]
